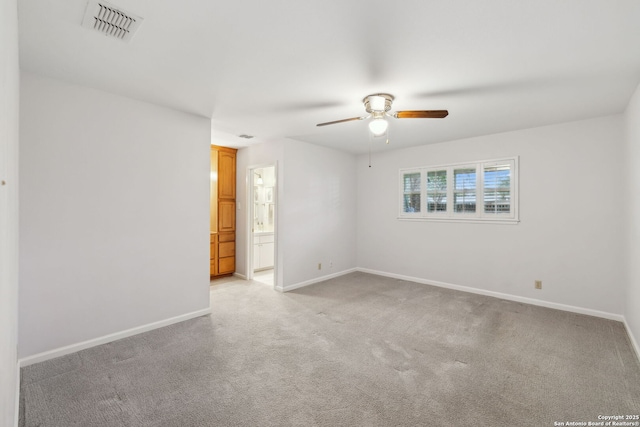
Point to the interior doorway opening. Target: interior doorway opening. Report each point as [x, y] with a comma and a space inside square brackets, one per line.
[262, 224]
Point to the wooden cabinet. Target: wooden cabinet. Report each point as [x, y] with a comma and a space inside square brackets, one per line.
[213, 255]
[226, 216]
[223, 211]
[226, 253]
[226, 173]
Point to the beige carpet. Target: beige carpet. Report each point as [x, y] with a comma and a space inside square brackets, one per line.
[358, 350]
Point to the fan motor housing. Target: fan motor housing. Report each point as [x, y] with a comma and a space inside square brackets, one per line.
[378, 102]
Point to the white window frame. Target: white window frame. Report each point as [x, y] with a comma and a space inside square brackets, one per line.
[511, 217]
[404, 172]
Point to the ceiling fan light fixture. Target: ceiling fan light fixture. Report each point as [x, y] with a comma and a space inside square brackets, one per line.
[377, 102]
[378, 106]
[378, 126]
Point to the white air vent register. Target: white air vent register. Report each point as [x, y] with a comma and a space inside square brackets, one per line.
[110, 20]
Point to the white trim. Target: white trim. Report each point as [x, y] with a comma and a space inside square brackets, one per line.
[402, 213]
[241, 276]
[16, 414]
[62, 351]
[496, 160]
[509, 221]
[249, 240]
[316, 280]
[510, 297]
[634, 343]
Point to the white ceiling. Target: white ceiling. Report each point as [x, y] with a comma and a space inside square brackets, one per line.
[275, 68]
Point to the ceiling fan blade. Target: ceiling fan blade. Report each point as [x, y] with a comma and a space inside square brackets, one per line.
[421, 114]
[341, 121]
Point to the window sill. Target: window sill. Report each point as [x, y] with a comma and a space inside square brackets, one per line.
[508, 221]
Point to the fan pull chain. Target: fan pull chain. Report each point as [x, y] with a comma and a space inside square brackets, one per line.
[387, 139]
[370, 144]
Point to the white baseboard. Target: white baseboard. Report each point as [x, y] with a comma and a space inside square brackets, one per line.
[62, 351]
[240, 276]
[634, 342]
[316, 280]
[525, 300]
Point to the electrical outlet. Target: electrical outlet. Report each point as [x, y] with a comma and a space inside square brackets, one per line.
[538, 284]
[319, 266]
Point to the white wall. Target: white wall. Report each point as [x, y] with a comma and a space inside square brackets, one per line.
[632, 297]
[9, 102]
[571, 234]
[319, 215]
[316, 217]
[114, 223]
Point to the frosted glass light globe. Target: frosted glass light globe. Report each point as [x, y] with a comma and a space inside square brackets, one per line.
[378, 126]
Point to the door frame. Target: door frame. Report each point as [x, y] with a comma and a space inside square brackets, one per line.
[249, 220]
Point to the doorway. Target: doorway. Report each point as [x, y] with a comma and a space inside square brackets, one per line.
[262, 225]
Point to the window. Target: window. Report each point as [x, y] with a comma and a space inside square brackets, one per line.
[478, 191]
[497, 189]
[464, 190]
[411, 192]
[437, 191]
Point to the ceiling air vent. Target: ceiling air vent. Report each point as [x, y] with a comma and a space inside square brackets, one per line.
[110, 20]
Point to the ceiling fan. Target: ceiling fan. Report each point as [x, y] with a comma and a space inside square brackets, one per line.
[378, 106]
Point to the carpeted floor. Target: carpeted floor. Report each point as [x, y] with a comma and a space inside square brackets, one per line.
[358, 350]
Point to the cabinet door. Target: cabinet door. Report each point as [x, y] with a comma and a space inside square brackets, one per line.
[226, 249]
[226, 175]
[213, 189]
[256, 256]
[226, 216]
[266, 255]
[213, 267]
[226, 265]
[213, 256]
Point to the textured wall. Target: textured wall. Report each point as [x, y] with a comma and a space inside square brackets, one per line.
[114, 205]
[316, 209]
[632, 295]
[9, 102]
[571, 230]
